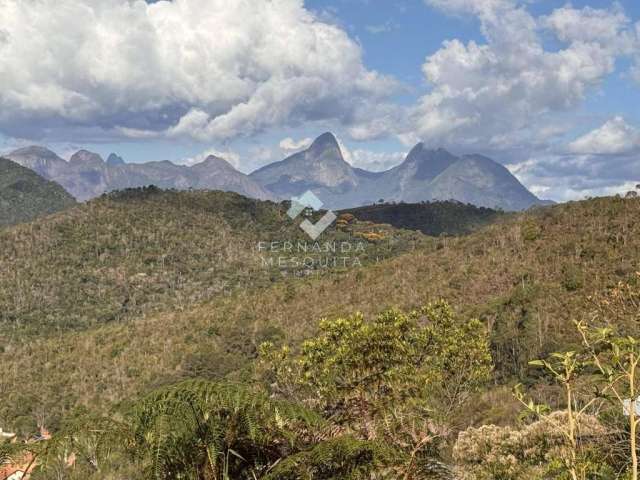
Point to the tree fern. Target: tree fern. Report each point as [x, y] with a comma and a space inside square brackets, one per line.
[200, 429]
[344, 458]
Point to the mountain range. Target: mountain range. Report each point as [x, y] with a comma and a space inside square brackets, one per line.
[86, 175]
[425, 175]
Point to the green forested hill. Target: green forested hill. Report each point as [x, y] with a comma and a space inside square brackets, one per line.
[145, 250]
[525, 277]
[24, 195]
[431, 218]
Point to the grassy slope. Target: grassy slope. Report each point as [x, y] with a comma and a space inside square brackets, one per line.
[527, 277]
[24, 195]
[431, 218]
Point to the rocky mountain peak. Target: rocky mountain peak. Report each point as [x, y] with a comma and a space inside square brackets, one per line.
[86, 158]
[114, 160]
[324, 141]
[213, 162]
[39, 159]
[428, 163]
[35, 151]
[325, 152]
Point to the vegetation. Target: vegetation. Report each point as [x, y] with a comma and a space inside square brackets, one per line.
[548, 300]
[360, 371]
[431, 218]
[375, 413]
[146, 250]
[24, 195]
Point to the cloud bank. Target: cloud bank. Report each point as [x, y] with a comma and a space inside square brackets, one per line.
[206, 69]
[484, 94]
[615, 137]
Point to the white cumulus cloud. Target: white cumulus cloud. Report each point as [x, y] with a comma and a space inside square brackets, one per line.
[206, 69]
[615, 137]
[289, 145]
[482, 93]
[588, 24]
[374, 161]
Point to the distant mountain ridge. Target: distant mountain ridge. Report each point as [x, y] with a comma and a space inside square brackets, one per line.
[25, 195]
[424, 175]
[86, 175]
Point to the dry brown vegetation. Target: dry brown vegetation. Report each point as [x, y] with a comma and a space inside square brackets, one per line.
[136, 252]
[526, 278]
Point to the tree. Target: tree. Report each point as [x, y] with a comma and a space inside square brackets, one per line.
[617, 361]
[394, 378]
[565, 369]
[205, 430]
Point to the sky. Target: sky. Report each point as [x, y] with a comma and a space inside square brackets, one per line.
[548, 88]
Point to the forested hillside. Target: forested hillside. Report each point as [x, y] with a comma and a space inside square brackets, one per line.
[525, 279]
[141, 250]
[431, 218]
[24, 195]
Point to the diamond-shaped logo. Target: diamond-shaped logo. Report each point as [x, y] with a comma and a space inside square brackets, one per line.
[310, 200]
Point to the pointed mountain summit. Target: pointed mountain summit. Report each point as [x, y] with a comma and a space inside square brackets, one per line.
[324, 142]
[213, 161]
[320, 168]
[409, 180]
[426, 164]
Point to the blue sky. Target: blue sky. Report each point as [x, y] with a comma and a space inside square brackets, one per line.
[397, 36]
[549, 88]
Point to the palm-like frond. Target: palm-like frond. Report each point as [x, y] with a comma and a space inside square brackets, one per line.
[346, 458]
[200, 429]
[8, 452]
